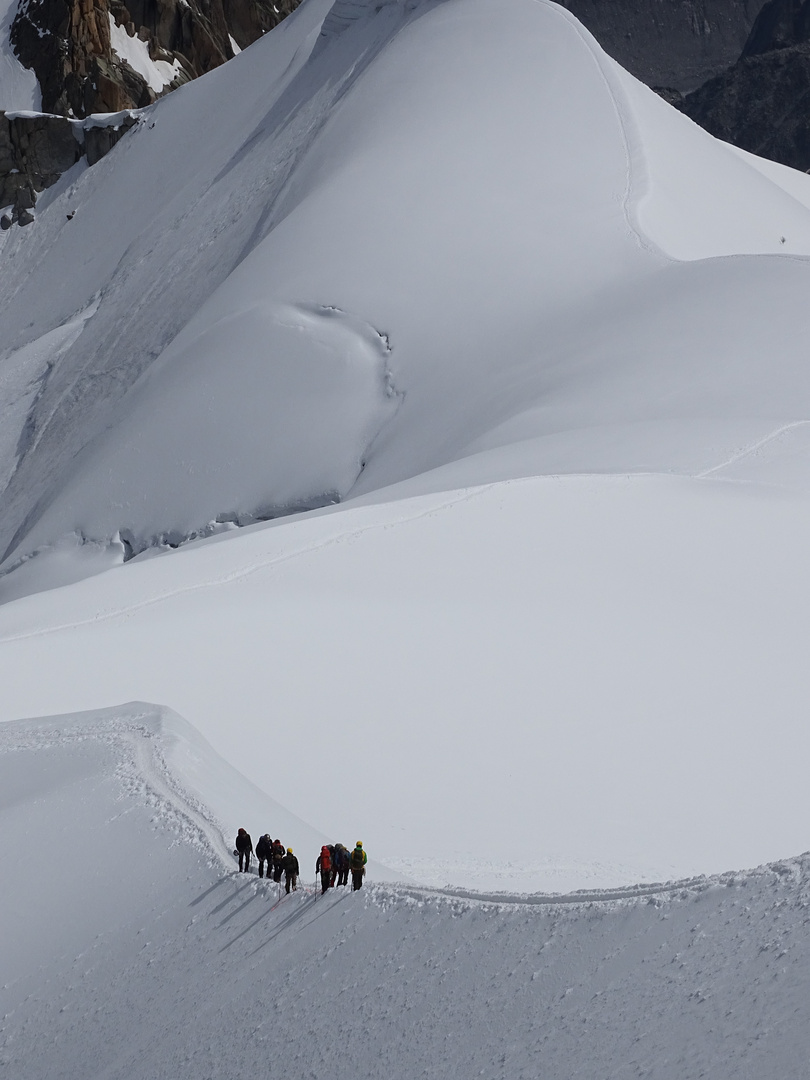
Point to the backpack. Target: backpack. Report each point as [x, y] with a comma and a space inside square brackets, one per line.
[326, 859]
[358, 858]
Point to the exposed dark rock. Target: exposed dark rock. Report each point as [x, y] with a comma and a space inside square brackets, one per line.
[5, 222]
[25, 218]
[762, 103]
[780, 24]
[68, 45]
[36, 150]
[671, 43]
[98, 141]
[674, 97]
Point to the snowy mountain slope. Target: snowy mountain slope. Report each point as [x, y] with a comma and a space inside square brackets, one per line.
[550, 683]
[138, 952]
[19, 88]
[425, 255]
[509, 253]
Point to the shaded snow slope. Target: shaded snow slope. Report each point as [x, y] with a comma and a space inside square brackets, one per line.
[19, 88]
[404, 232]
[548, 683]
[139, 953]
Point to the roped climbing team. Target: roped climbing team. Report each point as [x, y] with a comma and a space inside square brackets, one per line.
[333, 864]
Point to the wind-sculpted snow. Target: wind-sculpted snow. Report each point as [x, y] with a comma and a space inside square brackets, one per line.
[161, 759]
[308, 391]
[138, 952]
[536, 235]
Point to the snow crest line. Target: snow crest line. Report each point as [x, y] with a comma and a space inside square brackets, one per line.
[797, 868]
[247, 571]
[624, 122]
[584, 896]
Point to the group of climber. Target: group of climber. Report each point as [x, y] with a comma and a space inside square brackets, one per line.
[333, 864]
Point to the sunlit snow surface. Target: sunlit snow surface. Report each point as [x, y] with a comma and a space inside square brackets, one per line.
[132, 950]
[543, 337]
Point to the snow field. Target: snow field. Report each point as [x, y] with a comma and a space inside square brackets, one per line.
[137, 954]
[547, 342]
[550, 683]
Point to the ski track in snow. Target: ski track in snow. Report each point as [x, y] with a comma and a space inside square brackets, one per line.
[752, 448]
[240, 573]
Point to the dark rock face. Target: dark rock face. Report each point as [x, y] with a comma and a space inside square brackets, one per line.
[672, 43]
[99, 141]
[781, 24]
[34, 152]
[762, 103]
[68, 45]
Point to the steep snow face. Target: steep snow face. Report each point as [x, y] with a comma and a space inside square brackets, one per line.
[138, 952]
[427, 227]
[19, 88]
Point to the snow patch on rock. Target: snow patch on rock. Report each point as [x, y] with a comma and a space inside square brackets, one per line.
[135, 52]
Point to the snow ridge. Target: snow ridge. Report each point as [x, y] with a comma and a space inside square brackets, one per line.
[637, 185]
[140, 734]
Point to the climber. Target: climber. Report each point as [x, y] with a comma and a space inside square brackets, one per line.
[244, 847]
[341, 865]
[323, 866]
[291, 870]
[278, 859]
[358, 862]
[264, 853]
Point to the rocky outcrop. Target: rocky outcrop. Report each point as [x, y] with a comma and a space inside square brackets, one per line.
[672, 43]
[762, 103]
[781, 24]
[36, 150]
[69, 45]
[110, 57]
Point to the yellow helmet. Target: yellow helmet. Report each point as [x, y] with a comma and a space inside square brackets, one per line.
[359, 843]
[289, 851]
